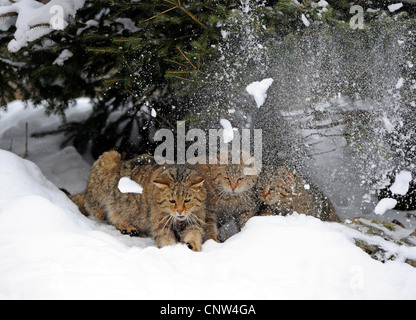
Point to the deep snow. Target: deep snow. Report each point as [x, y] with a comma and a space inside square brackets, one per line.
[48, 250]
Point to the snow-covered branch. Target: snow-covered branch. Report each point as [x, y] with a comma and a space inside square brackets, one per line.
[33, 19]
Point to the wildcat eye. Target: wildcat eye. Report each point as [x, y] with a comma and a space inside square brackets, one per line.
[272, 188]
[172, 201]
[227, 178]
[187, 200]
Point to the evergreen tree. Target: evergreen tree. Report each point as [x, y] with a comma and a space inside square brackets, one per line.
[146, 64]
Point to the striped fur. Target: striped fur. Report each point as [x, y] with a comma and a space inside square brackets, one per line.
[170, 209]
[284, 192]
[231, 195]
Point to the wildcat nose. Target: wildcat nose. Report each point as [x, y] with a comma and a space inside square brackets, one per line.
[180, 215]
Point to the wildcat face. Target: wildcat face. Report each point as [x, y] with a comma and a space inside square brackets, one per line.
[180, 194]
[277, 187]
[230, 180]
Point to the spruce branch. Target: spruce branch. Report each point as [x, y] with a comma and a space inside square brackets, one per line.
[184, 55]
[8, 15]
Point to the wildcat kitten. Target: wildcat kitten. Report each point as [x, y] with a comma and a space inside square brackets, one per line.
[171, 207]
[283, 192]
[230, 194]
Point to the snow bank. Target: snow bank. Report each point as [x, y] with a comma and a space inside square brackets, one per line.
[65, 168]
[49, 250]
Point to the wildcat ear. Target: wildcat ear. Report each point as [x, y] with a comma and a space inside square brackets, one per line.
[161, 184]
[198, 184]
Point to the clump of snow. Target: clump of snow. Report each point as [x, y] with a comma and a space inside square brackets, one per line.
[228, 130]
[384, 205]
[258, 90]
[401, 183]
[395, 6]
[305, 20]
[399, 83]
[224, 34]
[322, 3]
[387, 124]
[126, 185]
[128, 24]
[34, 19]
[64, 56]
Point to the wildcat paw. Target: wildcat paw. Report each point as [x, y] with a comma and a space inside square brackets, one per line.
[128, 230]
[193, 240]
[134, 233]
[194, 246]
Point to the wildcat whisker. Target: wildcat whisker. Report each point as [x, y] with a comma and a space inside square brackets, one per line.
[168, 222]
[163, 219]
[193, 220]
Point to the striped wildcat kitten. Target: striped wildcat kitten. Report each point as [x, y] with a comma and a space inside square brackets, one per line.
[284, 192]
[171, 207]
[231, 194]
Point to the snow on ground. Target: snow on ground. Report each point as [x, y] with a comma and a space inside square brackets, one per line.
[49, 250]
[65, 168]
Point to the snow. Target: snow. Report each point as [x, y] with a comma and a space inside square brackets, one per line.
[128, 24]
[387, 124]
[65, 168]
[401, 183]
[399, 83]
[258, 90]
[64, 56]
[384, 205]
[305, 20]
[126, 185]
[34, 19]
[228, 131]
[322, 3]
[49, 250]
[395, 6]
